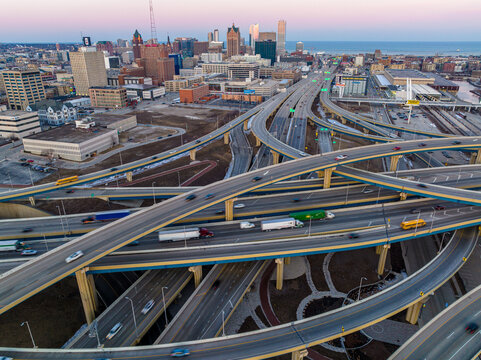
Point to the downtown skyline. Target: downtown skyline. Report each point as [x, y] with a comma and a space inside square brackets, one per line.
[354, 21]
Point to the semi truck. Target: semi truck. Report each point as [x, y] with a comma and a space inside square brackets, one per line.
[12, 245]
[106, 216]
[277, 224]
[312, 215]
[184, 234]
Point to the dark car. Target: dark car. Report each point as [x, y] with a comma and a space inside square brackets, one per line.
[422, 144]
[414, 211]
[191, 197]
[353, 236]
[256, 178]
[197, 141]
[296, 200]
[26, 230]
[471, 328]
[216, 284]
[180, 352]
[220, 212]
[440, 207]
[113, 169]
[457, 142]
[154, 157]
[71, 191]
[421, 185]
[209, 196]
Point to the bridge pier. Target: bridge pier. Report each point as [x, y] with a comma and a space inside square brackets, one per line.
[327, 177]
[478, 157]
[413, 311]
[394, 162]
[403, 196]
[382, 259]
[299, 354]
[320, 174]
[279, 273]
[229, 210]
[192, 154]
[343, 121]
[246, 123]
[197, 270]
[287, 260]
[88, 294]
[129, 175]
[32, 200]
[226, 138]
[258, 142]
[365, 131]
[275, 156]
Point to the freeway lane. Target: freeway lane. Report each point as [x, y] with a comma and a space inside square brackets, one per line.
[445, 336]
[300, 334]
[33, 276]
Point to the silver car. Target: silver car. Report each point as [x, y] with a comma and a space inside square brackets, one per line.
[74, 256]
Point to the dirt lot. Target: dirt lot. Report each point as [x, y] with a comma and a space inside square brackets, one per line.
[60, 304]
[316, 271]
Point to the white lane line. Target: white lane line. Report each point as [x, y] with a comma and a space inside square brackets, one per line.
[466, 343]
[450, 335]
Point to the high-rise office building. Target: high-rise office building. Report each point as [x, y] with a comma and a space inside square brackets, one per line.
[136, 43]
[253, 34]
[266, 49]
[156, 62]
[216, 35]
[299, 46]
[210, 36]
[88, 69]
[267, 35]
[105, 46]
[281, 36]
[23, 87]
[233, 41]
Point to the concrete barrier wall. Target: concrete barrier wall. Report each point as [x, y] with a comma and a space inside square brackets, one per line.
[13, 211]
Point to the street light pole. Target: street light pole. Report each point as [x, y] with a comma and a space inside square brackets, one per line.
[133, 315]
[153, 192]
[165, 307]
[432, 218]
[360, 285]
[61, 222]
[223, 325]
[30, 332]
[65, 213]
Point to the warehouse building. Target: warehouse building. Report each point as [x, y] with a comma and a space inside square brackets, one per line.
[16, 124]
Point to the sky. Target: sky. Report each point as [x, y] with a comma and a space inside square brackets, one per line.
[307, 20]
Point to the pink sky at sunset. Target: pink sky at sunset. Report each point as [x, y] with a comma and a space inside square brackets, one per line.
[56, 20]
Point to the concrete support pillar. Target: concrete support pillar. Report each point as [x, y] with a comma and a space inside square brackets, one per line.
[229, 210]
[378, 249]
[394, 162]
[129, 175]
[344, 121]
[279, 273]
[382, 259]
[320, 174]
[197, 270]
[403, 196]
[88, 295]
[226, 138]
[246, 123]
[412, 314]
[478, 157]
[32, 200]
[287, 260]
[472, 159]
[275, 156]
[258, 142]
[299, 354]
[327, 177]
[365, 131]
[192, 154]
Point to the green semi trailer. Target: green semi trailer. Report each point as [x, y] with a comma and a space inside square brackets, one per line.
[312, 215]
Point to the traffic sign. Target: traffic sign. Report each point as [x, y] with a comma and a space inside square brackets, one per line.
[314, 80]
[292, 110]
[323, 89]
[412, 102]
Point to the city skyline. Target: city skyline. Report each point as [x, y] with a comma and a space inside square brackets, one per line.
[354, 21]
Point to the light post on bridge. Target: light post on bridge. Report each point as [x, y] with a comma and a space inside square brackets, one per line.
[153, 192]
[133, 315]
[30, 332]
[360, 285]
[165, 307]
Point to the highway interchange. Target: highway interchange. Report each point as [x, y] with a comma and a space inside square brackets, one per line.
[16, 287]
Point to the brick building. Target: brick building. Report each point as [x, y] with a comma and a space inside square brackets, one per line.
[201, 47]
[108, 97]
[233, 41]
[194, 93]
[137, 42]
[156, 62]
[105, 46]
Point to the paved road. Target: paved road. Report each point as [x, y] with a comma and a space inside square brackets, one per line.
[300, 334]
[444, 337]
[241, 152]
[216, 298]
[147, 287]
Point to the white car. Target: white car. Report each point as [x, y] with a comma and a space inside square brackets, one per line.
[239, 206]
[340, 157]
[246, 225]
[147, 307]
[74, 256]
[367, 191]
[114, 331]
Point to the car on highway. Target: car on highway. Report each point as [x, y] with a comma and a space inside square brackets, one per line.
[180, 352]
[422, 144]
[113, 169]
[439, 207]
[148, 307]
[256, 178]
[353, 235]
[414, 211]
[28, 252]
[190, 197]
[367, 191]
[74, 256]
[303, 154]
[71, 191]
[154, 157]
[239, 206]
[471, 328]
[220, 212]
[456, 142]
[209, 196]
[340, 157]
[421, 185]
[5, 358]
[26, 230]
[216, 284]
[246, 225]
[197, 141]
[396, 148]
[114, 331]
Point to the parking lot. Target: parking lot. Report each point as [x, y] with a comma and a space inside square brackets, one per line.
[13, 173]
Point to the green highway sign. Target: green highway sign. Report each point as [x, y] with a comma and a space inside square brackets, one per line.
[323, 89]
[327, 79]
[314, 80]
[291, 110]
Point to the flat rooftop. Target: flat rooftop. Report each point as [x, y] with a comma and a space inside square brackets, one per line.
[408, 73]
[440, 81]
[69, 134]
[139, 86]
[16, 113]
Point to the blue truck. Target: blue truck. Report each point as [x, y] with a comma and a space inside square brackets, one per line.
[106, 216]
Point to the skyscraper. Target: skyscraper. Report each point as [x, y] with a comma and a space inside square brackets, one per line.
[216, 35]
[136, 43]
[267, 35]
[281, 36]
[253, 34]
[267, 50]
[233, 41]
[88, 68]
[23, 87]
[210, 36]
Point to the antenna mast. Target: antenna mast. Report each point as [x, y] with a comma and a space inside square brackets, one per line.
[153, 30]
